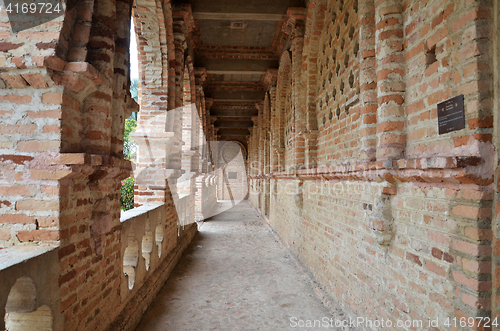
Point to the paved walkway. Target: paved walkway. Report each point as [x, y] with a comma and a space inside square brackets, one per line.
[235, 276]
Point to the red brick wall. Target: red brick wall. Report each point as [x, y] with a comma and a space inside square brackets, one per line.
[30, 131]
[436, 262]
[65, 97]
[396, 221]
[447, 54]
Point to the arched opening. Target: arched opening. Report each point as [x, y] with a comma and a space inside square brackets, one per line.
[20, 313]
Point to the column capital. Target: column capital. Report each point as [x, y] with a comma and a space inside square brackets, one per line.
[209, 102]
[259, 105]
[300, 28]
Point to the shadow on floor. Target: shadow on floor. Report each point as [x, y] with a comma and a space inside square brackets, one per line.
[235, 276]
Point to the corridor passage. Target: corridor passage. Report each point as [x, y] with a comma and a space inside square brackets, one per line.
[235, 276]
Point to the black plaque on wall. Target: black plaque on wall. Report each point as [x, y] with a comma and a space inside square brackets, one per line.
[451, 116]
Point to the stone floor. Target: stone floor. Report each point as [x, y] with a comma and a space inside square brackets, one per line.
[235, 276]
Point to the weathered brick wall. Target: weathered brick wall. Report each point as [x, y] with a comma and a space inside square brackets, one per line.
[430, 268]
[403, 229]
[396, 221]
[69, 158]
[64, 98]
[448, 54]
[90, 261]
[30, 124]
[495, 57]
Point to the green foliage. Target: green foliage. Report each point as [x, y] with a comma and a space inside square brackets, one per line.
[130, 125]
[129, 145]
[127, 190]
[134, 89]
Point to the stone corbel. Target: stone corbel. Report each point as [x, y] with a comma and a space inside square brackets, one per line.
[299, 28]
[255, 120]
[270, 79]
[209, 103]
[308, 134]
[259, 105]
[381, 222]
[299, 196]
[181, 39]
[201, 76]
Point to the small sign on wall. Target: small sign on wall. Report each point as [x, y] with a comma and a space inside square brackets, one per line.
[451, 116]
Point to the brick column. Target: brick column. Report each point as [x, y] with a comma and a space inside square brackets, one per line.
[260, 136]
[154, 145]
[390, 79]
[254, 134]
[252, 157]
[180, 47]
[275, 122]
[282, 90]
[159, 134]
[266, 159]
[98, 106]
[200, 163]
[368, 81]
[261, 148]
[266, 138]
[310, 65]
[298, 95]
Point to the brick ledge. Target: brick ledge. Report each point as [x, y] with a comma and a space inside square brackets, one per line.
[452, 170]
[86, 165]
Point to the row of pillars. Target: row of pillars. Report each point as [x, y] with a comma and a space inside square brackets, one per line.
[174, 128]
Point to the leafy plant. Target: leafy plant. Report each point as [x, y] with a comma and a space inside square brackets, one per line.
[134, 89]
[127, 190]
[129, 145]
